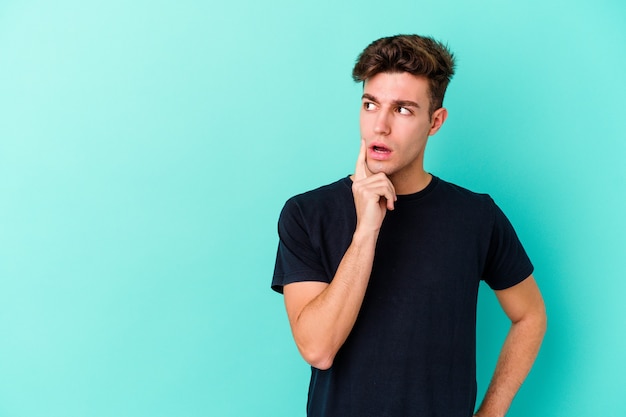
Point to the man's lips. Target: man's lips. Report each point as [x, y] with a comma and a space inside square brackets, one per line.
[379, 151]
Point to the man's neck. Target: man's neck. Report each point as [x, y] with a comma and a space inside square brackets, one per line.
[411, 185]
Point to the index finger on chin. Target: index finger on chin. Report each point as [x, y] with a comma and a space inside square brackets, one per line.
[360, 171]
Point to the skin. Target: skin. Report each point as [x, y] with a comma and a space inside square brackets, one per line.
[395, 127]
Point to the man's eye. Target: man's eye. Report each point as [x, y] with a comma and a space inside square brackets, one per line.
[404, 110]
[368, 106]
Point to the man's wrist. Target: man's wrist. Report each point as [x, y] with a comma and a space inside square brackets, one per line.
[364, 237]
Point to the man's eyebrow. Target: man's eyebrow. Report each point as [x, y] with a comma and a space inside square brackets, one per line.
[369, 97]
[406, 103]
[399, 103]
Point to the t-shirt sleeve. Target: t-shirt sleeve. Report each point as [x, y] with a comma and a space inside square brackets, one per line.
[297, 259]
[507, 263]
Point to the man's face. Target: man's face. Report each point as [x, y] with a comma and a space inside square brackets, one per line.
[395, 124]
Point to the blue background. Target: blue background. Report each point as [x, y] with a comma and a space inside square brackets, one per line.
[146, 149]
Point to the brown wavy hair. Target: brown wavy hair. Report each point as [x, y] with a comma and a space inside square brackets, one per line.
[417, 55]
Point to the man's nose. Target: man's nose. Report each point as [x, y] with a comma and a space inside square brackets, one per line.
[382, 125]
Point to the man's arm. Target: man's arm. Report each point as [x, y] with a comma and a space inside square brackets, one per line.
[322, 315]
[524, 306]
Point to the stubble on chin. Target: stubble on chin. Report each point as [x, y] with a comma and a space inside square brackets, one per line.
[375, 167]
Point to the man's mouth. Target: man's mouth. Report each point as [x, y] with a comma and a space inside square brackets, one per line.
[380, 149]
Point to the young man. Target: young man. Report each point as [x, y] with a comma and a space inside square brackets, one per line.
[380, 270]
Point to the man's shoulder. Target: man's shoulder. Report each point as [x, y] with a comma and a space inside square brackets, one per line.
[327, 205]
[325, 193]
[464, 202]
[452, 190]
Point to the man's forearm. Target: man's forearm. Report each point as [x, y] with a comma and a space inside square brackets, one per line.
[324, 324]
[516, 359]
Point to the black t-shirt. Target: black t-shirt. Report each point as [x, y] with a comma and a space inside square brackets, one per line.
[413, 347]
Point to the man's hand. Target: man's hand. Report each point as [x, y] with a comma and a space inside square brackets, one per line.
[373, 195]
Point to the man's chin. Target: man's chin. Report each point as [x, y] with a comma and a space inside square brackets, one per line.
[376, 167]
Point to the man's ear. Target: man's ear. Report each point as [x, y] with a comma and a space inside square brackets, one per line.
[439, 116]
